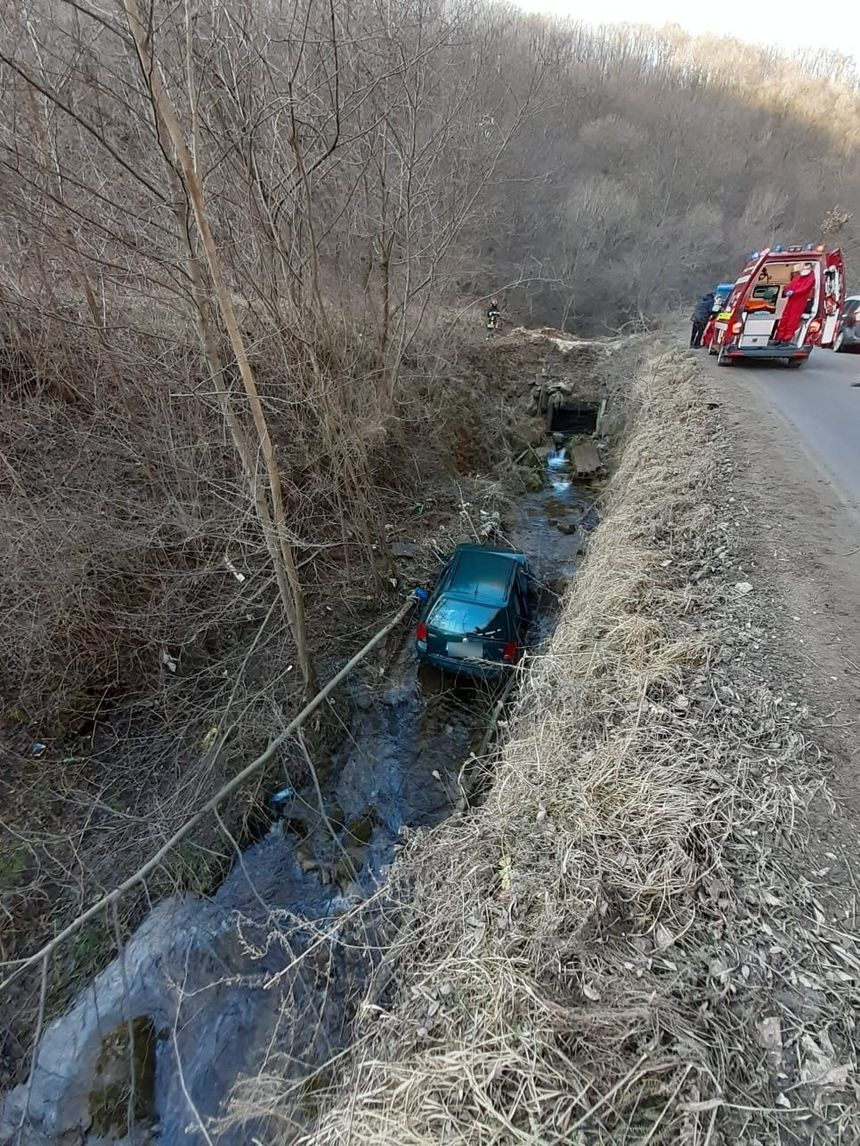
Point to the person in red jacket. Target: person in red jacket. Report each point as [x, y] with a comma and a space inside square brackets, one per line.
[798, 293]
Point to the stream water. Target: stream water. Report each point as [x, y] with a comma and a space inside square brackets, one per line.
[266, 974]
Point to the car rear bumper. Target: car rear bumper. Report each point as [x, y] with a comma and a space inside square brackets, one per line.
[769, 352]
[483, 670]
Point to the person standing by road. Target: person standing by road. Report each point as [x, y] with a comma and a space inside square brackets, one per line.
[494, 316]
[699, 318]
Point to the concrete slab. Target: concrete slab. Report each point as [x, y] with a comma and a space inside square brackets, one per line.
[586, 459]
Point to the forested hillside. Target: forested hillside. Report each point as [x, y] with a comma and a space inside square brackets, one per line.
[343, 148]
[656, 162]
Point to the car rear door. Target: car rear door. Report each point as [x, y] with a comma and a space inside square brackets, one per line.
[834, 296]
[723, 330]
[522, 598]
[848, 318]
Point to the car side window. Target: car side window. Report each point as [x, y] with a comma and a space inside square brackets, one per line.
[523, 606]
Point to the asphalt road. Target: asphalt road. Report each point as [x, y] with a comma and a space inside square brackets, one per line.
[820, 402]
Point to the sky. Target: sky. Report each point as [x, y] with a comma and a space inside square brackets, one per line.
[754, 23]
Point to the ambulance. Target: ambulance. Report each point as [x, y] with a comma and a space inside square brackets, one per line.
[745, 327]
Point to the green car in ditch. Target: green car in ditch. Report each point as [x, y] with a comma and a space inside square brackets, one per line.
[476, 619]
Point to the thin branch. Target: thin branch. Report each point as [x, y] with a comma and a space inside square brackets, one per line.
[88, 127]
[237, 781]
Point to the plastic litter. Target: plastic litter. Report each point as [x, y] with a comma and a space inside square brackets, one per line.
[282, 796]
[240, 577]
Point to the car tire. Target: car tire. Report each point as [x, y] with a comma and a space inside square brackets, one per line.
[723, 358]
[839, 342]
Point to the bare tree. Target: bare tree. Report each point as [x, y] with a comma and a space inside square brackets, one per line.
[272, 521]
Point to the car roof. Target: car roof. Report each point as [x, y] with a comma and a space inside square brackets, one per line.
[478, 573]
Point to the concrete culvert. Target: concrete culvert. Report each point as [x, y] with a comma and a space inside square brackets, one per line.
[573, 417]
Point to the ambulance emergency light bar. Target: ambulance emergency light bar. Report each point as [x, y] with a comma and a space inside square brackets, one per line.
[779, 249]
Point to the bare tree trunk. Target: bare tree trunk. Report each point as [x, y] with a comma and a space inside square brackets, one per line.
[205, 329]
[289, 585]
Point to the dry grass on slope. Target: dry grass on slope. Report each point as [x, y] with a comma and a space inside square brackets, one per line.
[609, 950]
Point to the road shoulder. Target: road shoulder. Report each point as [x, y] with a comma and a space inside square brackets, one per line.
[798, 544]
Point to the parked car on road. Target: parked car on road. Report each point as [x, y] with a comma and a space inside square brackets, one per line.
[848, 330]
[476, 619]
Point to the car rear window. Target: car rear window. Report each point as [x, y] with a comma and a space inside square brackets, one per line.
[483, 576]
[452, 615]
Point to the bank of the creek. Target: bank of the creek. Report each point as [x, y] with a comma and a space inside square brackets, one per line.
[269, 970]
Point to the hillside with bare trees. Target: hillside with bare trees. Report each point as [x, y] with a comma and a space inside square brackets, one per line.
[656, 162]
[245, 251]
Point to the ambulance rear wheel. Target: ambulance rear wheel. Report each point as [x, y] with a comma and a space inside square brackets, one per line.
[840, 341]
[723, 358]
[795, 363]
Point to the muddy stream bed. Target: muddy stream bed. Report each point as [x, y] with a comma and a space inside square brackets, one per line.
[267, 973]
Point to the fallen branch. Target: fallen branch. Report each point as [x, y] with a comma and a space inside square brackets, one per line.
[231, 786]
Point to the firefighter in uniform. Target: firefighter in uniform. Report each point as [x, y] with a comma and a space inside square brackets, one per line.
[493, 318]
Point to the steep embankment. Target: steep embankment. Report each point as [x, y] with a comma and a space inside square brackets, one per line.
[621, 944]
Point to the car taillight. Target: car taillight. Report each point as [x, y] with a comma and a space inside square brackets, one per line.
[509, 653]
[814, 326]
[421, 632]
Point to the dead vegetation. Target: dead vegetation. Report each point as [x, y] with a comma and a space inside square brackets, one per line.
[171, 370]
[620, 945]
[143, 642]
